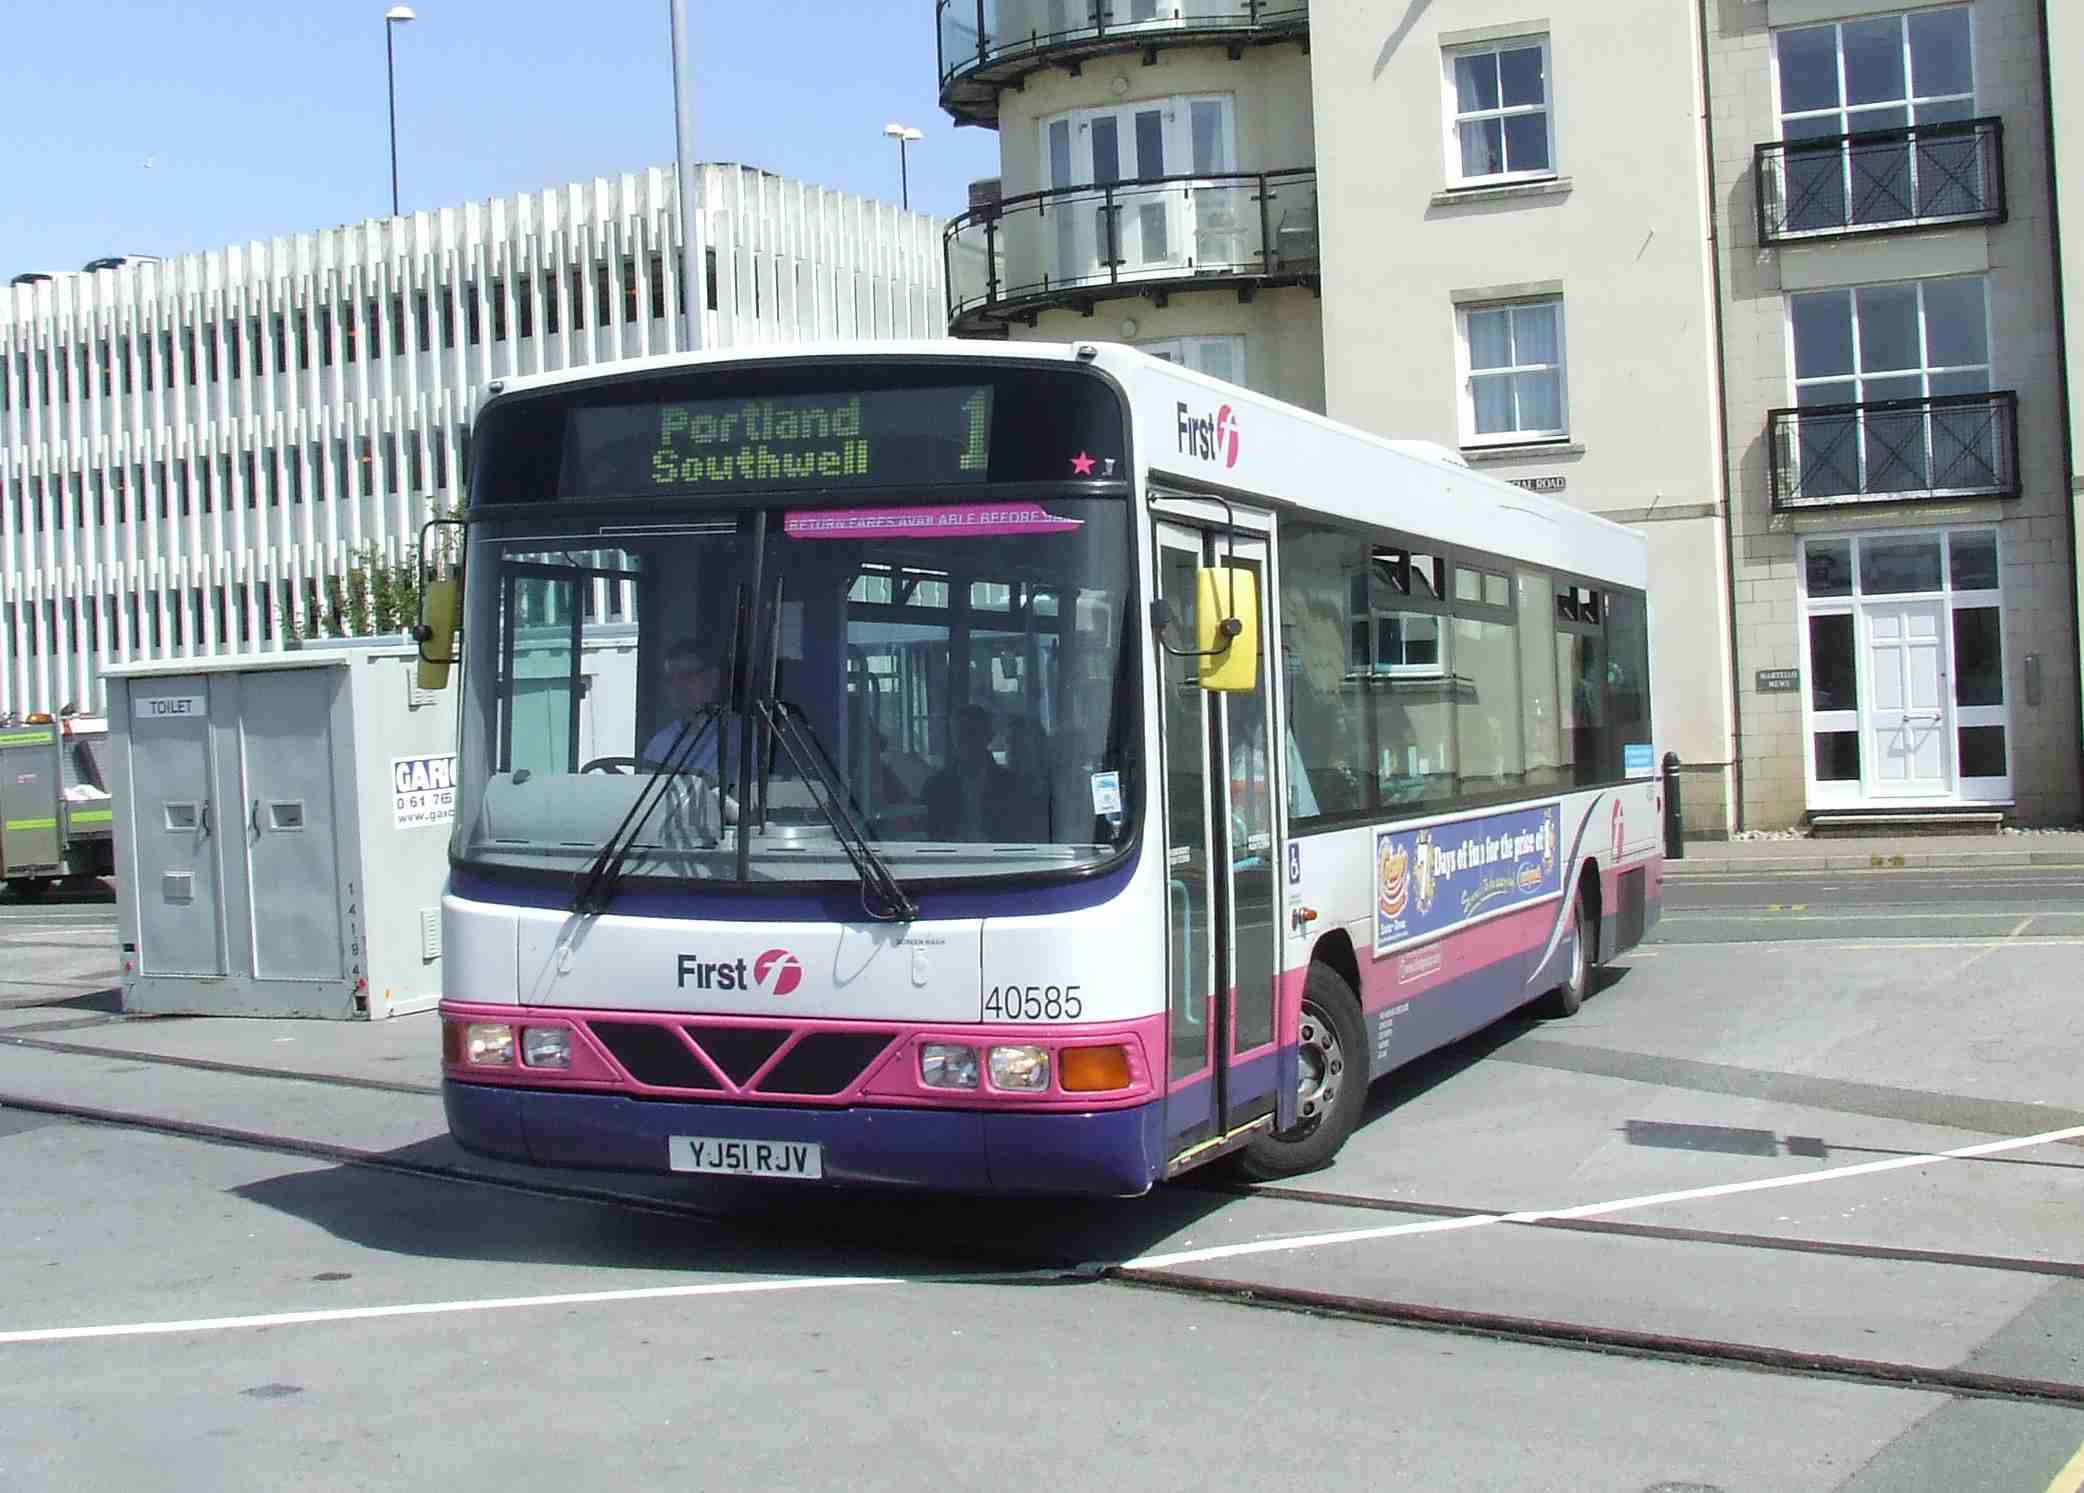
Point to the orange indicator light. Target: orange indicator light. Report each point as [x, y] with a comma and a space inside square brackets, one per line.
[1089, 1070]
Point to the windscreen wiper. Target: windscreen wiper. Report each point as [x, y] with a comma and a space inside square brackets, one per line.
[881, 897]
[596, 885]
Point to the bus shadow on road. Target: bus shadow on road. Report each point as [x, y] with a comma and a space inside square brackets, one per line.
[463, 1208]
[474, 1212]
[1420, 1076]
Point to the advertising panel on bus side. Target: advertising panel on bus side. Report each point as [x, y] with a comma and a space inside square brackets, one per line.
[1437, 877]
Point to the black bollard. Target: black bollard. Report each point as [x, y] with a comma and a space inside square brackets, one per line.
[1674, 830]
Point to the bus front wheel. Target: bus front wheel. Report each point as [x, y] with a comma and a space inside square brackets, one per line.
[1331, 1086]
[29, 888]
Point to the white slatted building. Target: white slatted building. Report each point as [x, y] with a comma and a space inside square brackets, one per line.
[186, 447]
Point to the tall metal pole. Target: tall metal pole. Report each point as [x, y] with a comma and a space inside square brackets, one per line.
[903, 177]
[391, 86]
[694, 294]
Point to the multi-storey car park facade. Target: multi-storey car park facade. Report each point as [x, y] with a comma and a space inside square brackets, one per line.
[1765, 279]
[189, 447]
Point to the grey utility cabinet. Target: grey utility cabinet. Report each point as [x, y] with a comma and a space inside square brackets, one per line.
[282, 826]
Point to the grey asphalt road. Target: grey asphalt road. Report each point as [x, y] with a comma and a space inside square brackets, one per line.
[60, 947]
[1990, 903]
[1764, 1136]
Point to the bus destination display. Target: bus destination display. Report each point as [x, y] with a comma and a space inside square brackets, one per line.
[856, 439]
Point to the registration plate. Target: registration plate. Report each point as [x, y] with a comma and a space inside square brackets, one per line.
[745, 1158]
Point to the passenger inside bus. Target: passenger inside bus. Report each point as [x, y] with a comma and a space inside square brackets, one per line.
[1027, 761]
[897, 776]
[966, 799]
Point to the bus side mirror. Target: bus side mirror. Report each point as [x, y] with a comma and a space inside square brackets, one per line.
[441, 613]
[1226, 615]
[441, 605]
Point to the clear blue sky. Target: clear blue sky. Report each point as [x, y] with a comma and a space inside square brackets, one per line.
[263, 119]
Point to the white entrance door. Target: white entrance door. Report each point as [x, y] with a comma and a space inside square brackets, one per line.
[1909, 704]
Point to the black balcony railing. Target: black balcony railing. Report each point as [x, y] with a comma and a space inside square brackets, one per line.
[983, 44]
[1922, 176]
[1895, 450]
[1074, 245]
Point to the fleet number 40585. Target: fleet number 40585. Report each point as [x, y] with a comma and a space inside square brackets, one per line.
[1033, 1003]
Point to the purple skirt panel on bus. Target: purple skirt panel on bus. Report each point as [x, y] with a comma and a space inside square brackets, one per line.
[1116, 1151]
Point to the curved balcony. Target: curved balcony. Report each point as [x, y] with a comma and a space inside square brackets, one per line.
[985, 45]
[1075, 246]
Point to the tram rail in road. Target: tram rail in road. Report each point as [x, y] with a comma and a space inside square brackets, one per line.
[1169, 1272]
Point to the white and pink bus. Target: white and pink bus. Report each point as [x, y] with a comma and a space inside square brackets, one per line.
[1017, 767]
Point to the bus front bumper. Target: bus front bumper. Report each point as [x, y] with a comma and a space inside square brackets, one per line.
[1115, 1152]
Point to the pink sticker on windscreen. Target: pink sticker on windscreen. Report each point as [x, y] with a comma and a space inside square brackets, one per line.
[947, 520]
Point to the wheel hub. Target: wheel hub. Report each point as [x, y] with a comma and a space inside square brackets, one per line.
[1322, 1062]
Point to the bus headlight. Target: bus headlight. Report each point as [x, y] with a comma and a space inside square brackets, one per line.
[546, 1046]
[1024, 1068]
[489, 1044]
[947, 1065]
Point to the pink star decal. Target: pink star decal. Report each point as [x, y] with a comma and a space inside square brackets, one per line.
[1082, 465]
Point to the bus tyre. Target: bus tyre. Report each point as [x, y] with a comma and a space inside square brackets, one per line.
[1332, 1085]
[1567, 997]
[29, 888]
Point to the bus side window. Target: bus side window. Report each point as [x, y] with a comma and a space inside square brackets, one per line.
[1540, 721]
[1324, 698]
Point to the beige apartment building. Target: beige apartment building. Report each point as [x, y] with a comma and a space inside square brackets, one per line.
[1768, 280]
[2064, 21]
[1893, 384]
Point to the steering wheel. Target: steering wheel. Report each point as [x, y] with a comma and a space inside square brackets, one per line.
[610, 764]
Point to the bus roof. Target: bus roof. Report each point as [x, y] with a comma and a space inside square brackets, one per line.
[1193, 431]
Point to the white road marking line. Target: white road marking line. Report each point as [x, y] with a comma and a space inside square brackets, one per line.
[438, 1308]
[1592, 1210]
[1988, 949]
[2071, 1478]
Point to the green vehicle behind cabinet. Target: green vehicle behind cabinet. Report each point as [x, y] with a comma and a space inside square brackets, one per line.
[54, 807]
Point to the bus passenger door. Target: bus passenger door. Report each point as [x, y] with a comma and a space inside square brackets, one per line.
[1222, 931]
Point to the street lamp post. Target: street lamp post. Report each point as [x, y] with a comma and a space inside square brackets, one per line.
[396, 15]
[694, 261]
[904, 135]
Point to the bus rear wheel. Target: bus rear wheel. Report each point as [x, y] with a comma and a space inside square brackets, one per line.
[1331, 1087]
[1567, 997]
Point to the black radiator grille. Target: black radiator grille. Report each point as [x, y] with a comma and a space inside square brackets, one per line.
[825, 1062]
[738, 1050]
[653, 1055]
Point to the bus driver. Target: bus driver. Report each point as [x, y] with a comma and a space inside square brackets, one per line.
[690, 739]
